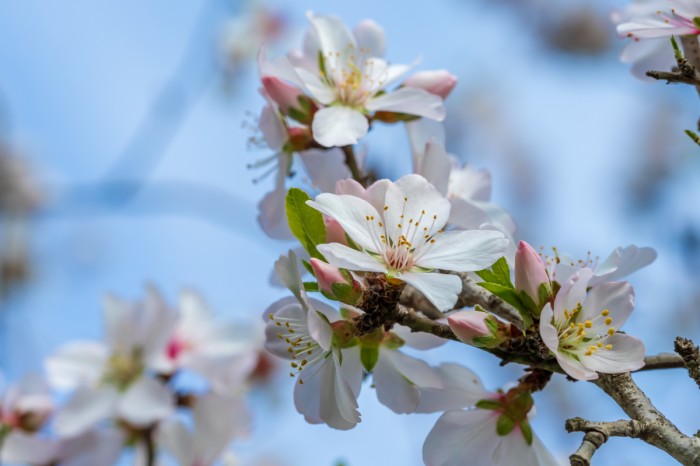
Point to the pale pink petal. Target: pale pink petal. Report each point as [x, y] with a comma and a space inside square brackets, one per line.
[339, 126]
[325, 167]
[435, 166]
[85, 408]
[218, 419]
[272, 128]
[103, 447]
[287, 269]
[572, 292]
[398, 379]
[347, 258]
[178, 441]
[462, 437]
[627, 354]
[146, 401]
[440, 289]
[420, 132]
[411, 101]
[77, 363]
[438, 82]
[417, 340]
[616, 297]
[22, 448]
[622, 262]
[464, 251]
[370, 37]
[461, 388]
[272, 216]
[351, 212]
[317, 88]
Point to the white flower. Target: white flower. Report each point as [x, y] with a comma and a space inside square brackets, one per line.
[110, 378]
[581, 328]
[469, 437]
[324, 168]
[299, 329]
[404, 237]
[217, 420]
[620, 263]
[343, 71]
[472, 436]
[649, 24]
[204, 345]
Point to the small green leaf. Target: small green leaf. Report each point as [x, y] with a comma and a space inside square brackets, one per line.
[504, 425]
[345, 293]
[530, 306]
[308, 267]
[306, 223]
[526, 429]
[488, 404]
[512, 297]
[369, 355]
[693, 136]
[544, 293]
[311, 286]
[676, 50]
[499, 273]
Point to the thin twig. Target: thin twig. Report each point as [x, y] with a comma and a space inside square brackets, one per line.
[662, 361]
[596, 434]
[351, 162]
[690, 355]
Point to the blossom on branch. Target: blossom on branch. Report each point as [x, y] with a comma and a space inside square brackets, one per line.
[581, 328]
[399, 232]
[343, 72]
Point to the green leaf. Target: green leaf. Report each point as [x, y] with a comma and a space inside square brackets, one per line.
[512, 297]
[311, 286]
[530, 306]
[499, 273]
[488, 404]
[693, 136]
[308, 267]
[344, 293]
[526, 429]
[544, 293]
[676, 50]
[306, 223]
[504, 425]
[696, 21]
[369, 355]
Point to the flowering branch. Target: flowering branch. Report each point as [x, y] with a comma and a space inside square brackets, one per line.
[690, 355]
[597, 433]
[654, 428]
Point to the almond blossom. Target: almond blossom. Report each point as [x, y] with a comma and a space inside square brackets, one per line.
[474, 436]
[344, 72]
[301, 330]
[649, 24]
[212, 432]
[400, 233]
[581, 328]
[110, 378]
[324, 167]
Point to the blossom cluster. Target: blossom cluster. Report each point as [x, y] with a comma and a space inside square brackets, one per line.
[131, 389]
[368, 245]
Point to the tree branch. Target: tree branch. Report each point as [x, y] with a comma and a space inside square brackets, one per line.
[597, 433]
[690, 355]
[662, 361]
[351, 162]
[471, 295]
[654, 428]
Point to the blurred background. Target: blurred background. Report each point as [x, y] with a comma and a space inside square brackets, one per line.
[126, 128]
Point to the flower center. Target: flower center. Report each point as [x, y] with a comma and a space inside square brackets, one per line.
[123, 369]
[577, 338]
[402, 245]
[353, 76]
[301, 346]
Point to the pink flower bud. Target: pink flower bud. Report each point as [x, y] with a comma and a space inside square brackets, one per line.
[438, 82]
[334, 232]
[285, 95]
[530, 271]
[468, 325]
[327, 275]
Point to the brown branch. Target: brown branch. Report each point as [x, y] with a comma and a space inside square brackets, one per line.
[691, 52]
[596, 434]
[654, 428]
[471, 295]
[351, 162]
[662, 361]
[675, 77]
[690, 355]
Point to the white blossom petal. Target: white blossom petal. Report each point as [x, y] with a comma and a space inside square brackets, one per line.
[342, 256]
[339, 126]
[351, 212]
[325, 167]
[464, 251]
[85, 408]
[411, 101]
[146, 401]
[627, 354]
[439, 289]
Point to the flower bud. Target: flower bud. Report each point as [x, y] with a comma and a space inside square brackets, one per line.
[326, 275]
[438, 82]
[336, 284]
[285, 95]
[335, 232]
[468, 325]
[530, 272]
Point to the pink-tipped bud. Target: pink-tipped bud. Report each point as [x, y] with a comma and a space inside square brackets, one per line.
[530, 272]
[468, 325]
[334, 232]
[285, 95]
[327, 275]
[438, 82]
